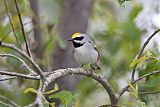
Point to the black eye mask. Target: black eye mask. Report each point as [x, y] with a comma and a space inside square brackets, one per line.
[76, 45]
[79, 38]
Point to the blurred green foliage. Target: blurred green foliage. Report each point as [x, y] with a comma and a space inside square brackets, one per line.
[118, 41]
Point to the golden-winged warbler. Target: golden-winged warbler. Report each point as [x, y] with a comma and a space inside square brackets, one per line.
[85, 51]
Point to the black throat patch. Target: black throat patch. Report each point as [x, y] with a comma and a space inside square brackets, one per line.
[76, 45]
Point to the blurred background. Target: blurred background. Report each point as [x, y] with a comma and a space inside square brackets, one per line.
[117, 29]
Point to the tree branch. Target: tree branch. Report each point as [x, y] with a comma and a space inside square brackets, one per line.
[7, 105]
[34, 64]
[137, 80]
[141, 51]
[79, 71]
[109, 105]
[12, 104]
[8, 78]
[146, 93]
[19, 75]
[51, 76]
[23, 32]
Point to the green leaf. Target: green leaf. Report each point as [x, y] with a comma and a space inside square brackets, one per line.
[149, 54]
[132, 94]
[138, 61]
[56, 87]
[152, 65]
[135, 90]
[52, 104]
[54, 90]
[29, 90]
[64, 96]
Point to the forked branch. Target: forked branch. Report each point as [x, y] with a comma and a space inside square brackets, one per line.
[34, 64]
[137, 80]
[141, 51]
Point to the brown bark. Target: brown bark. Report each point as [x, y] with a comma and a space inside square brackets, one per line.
[34, 4]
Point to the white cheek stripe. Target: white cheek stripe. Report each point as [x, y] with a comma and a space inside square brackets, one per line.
[77, 41]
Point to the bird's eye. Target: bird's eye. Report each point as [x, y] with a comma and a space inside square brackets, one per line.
[79, 38]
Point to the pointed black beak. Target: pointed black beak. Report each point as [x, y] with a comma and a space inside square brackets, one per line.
[70, 39]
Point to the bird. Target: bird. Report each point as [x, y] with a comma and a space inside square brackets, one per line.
[85, 51]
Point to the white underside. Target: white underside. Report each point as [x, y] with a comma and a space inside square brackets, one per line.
[85, 55]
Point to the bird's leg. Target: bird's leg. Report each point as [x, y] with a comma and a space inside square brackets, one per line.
[95, 66]
[98, 67]
[92, 67]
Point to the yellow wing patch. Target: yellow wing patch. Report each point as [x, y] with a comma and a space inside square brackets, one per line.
[75, 35]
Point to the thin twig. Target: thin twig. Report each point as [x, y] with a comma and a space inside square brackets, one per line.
[8, 78]
[146, 93]
[19, 75]
[109, 105]
[137, 80]
[19, 59]
[9, 17]
[23, 32]
[7, 105]
[141, 51]
[7, 100]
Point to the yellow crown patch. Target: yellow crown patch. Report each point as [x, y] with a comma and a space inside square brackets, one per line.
[75, 35]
